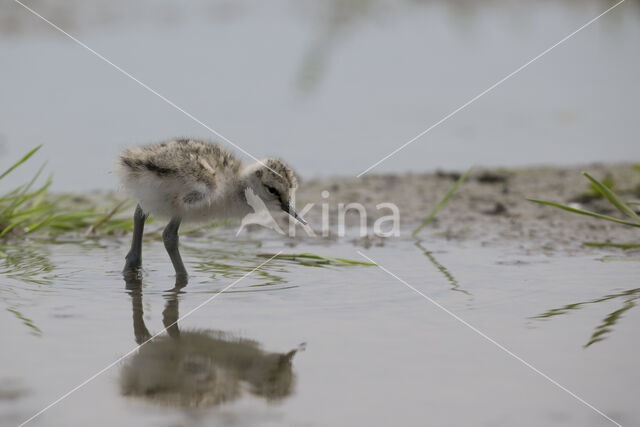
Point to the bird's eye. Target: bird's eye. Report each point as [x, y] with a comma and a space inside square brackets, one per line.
[273, 191]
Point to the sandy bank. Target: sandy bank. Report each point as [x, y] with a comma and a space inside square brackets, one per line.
[491, 206]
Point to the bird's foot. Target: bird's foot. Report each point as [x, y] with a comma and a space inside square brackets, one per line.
[182, 278]
[132, 262]
[132, 265]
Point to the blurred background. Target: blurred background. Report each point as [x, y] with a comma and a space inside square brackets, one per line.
[330, 86]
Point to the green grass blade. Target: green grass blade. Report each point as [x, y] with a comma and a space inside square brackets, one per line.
[21, 161]
[38, 199]
[295, 257]
[10, 227]
[12, 195]
[611, 196]
[36, 226]
[442, 202]
[105, 218]
[35, 178]
[31, 211]
[616, 259]
[23, 198]
[117, 225]
[624, 246]
[455, 285]
[583, 212]
[342, 260]
[87, 214]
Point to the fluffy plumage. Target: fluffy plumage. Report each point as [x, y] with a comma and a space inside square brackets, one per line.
[199, 181]
[190, 180]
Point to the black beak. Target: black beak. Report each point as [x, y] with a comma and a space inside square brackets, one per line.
[288, 208]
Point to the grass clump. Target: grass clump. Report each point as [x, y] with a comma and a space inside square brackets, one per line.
[609, 195]
[606, 192]
[29, 208]
[25, 209]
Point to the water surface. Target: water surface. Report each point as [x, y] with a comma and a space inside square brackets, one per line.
[363, 348]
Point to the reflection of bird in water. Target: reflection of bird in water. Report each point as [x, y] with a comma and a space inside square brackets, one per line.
[199, 368]
[196, 181]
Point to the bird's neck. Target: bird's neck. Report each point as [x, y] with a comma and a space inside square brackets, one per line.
[235, 199]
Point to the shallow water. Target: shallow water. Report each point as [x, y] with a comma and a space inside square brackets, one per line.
[370, 351]
[330, 86]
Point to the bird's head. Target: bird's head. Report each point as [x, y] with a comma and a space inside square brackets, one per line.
[274, 182]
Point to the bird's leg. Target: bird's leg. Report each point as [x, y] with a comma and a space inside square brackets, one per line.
[170, 314]
[134, 257]
[170, 238]
[134, 288]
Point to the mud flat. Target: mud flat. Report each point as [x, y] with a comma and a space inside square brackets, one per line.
[491, 206]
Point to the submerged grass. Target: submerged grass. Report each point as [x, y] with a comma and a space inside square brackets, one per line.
[624, 246]
[455, 286]
[617, 259]
[25, 321]
[601, 331]
[314, 259]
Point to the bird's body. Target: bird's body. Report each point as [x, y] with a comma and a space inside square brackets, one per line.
[197, 181]
[193, 180]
